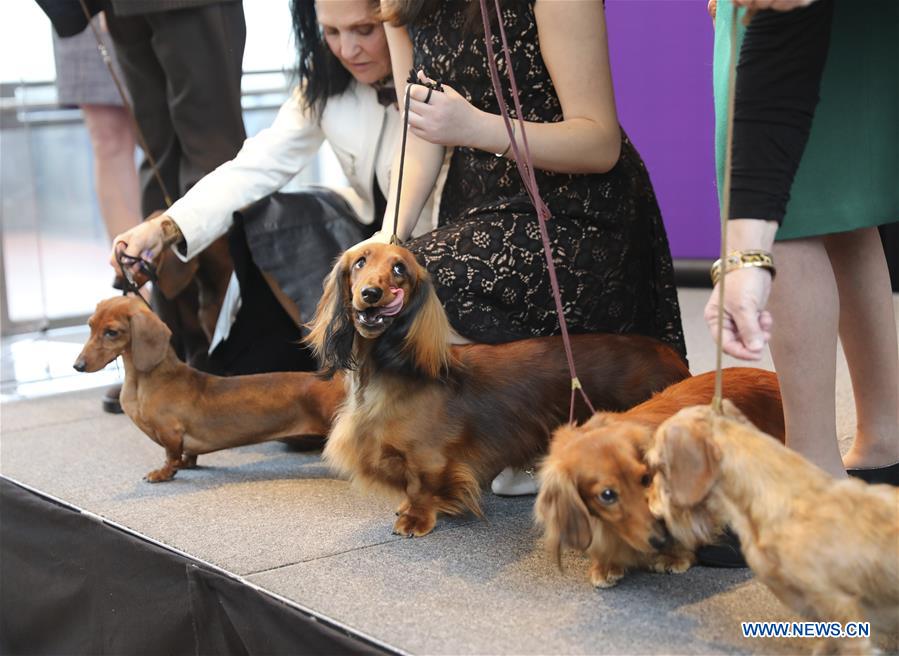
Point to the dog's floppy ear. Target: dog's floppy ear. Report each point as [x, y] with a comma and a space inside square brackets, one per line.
[562, 512]
[690, 460]
[331, 331]
[149, 340]
[729, 410]
[428, 336]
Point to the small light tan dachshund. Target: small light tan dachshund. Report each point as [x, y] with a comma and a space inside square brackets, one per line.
[593, 483]
[827, 548]
[188, 412]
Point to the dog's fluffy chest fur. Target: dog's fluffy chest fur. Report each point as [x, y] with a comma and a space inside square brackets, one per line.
[370, 438]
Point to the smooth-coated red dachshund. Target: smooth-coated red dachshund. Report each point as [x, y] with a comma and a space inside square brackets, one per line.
[430, 422]
[189, 412]
[593, 483]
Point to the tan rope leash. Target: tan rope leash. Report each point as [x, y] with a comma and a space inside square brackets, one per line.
[725, 209]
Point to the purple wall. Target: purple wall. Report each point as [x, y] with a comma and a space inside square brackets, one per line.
[661, 52]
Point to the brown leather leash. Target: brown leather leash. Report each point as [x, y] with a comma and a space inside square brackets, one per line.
[125, 262]
[525, 165]
[104, 54]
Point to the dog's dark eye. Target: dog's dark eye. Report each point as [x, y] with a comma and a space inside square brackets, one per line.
[646, 480]
[109, 332]
[399, 269]
[358, 264]
[608, 496]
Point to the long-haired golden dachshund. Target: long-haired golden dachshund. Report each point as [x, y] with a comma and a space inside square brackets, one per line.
[188, 412]
[827, 548]
[430, 422]
[593, 482]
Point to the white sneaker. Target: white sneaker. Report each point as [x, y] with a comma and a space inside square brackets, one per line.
[514, 483]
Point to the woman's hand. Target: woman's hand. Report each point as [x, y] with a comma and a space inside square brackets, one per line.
[380, 237]
[747, 324]
[146, 240]
[447, 119]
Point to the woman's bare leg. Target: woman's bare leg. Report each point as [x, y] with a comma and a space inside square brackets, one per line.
[805, 306]
[868, 333]
[115, 173]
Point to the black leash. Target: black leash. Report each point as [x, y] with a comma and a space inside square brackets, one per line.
[431, 86]
[144, 267]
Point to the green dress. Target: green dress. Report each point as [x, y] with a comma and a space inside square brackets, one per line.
[849, 174]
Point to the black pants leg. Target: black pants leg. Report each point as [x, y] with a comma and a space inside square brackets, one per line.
[183, 71]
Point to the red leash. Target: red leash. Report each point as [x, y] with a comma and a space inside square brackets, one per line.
[526, 170]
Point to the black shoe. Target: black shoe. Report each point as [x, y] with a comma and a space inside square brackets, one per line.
[724, 553]
[111, 400]
[874, 475]
[304, 442]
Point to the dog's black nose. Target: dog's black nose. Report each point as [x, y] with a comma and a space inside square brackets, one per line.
[372, 294]
[661, 538]
[79, 365]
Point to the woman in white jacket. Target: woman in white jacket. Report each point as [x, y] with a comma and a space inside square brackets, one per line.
[344, 97]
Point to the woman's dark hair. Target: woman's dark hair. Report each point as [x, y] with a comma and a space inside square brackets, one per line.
[320, 73]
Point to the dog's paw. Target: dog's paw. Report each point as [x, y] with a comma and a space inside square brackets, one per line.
[160, 475]
[605, 577]
[672, 564]
[414, 525]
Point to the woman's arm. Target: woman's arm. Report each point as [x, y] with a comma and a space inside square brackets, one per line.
[572, 37]
[423, 159]
[264, 164]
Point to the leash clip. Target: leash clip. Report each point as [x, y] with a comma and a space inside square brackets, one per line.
[576, 384]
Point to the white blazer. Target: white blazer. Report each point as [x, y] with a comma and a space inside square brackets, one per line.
[361, 132]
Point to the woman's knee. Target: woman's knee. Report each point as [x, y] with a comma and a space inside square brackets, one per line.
[110, 130]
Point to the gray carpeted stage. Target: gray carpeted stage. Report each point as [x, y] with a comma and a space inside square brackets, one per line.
[279, 520]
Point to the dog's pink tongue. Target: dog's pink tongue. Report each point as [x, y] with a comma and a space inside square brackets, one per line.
[395, 305]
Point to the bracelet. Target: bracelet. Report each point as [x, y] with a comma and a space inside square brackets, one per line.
[743, 260]
[171, 233]
[503, 154]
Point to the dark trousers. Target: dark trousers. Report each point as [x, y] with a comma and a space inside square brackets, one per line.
[778, 82]
[183, 70]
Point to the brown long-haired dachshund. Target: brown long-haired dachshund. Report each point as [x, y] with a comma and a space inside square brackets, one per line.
[430, 422]
[593, 483]
[188, 412]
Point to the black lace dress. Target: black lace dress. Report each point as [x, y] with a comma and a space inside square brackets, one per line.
[486, 257]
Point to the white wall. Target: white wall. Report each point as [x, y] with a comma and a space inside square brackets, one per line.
[26, 44]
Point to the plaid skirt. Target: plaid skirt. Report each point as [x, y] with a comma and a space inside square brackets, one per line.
[81, 75]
